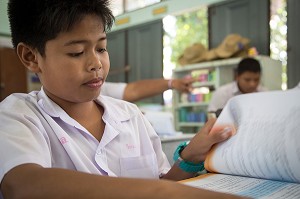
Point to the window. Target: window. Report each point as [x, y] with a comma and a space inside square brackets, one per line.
[122, 6]
[278, 40]
[180, 32]
[131, 5]
[117, 7]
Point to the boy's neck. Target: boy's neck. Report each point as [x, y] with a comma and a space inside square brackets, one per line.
[89, 115]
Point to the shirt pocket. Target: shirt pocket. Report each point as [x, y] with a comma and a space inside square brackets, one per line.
[139, 167]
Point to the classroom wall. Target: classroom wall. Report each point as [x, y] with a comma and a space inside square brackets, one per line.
[160, 10]
[132, 18]
[4, 26]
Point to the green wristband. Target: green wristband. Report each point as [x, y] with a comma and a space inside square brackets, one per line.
[186, 166]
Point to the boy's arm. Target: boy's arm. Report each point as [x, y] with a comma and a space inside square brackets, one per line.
[31, 181]
[139, 90]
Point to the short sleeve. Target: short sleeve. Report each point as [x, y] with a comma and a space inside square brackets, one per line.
[21, 142]
[216, 101]
[115, 90]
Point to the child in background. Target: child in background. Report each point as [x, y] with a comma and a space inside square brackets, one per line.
[68, 141]
[247, 80]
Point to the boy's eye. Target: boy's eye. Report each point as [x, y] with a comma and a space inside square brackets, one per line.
[75, 54]
[101, 50]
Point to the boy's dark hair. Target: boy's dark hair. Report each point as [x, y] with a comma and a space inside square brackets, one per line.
[248, 65]
[35, 22]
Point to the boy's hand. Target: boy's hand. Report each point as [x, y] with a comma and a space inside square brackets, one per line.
[202, 142]
[183, 85]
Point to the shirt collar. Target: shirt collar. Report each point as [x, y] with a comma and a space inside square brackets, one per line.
[50, 107]
[114, 115]
[112, 110]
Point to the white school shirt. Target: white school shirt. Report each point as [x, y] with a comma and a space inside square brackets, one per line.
[112, 89]
[221, 96]
[33, 129]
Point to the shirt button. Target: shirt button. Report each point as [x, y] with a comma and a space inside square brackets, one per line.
[99, 152]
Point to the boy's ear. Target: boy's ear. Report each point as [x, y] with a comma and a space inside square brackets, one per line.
[28, 57]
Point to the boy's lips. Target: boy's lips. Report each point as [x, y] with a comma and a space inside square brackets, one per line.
[94, 83]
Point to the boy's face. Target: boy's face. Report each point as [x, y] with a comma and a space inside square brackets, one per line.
[76, 63]
[248, 81]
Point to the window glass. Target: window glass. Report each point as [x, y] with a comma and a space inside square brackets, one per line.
[117, 7]
[131, 5]
[278, 40]
[180, 32]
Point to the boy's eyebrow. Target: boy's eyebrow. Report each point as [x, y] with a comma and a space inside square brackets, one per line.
[72, 42]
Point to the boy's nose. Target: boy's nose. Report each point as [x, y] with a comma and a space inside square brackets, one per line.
[253, 84]
[95, 63]
[95, 68]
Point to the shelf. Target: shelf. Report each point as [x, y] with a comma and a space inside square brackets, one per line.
[208, 65]
[203, 84]
[210, 75]
[218, 73]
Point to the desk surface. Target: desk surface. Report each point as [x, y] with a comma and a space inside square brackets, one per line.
[177, 137]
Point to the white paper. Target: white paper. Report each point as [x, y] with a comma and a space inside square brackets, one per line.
[245, 186]
[267, 141]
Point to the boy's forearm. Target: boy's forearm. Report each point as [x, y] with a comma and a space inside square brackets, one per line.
[34, 182]
[144, 88]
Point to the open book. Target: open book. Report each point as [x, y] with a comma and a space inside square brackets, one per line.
[262, 158]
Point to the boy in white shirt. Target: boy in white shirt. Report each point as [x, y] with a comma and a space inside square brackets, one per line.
[67, 141]
[247, 80]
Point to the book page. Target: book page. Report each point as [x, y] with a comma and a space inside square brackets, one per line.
[266, 143]
[244, 186]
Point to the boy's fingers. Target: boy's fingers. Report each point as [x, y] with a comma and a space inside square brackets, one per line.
[222, 135]
[208, 126]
